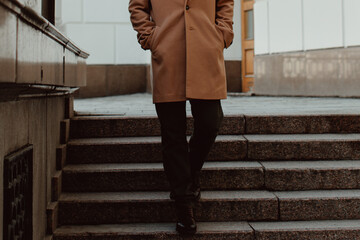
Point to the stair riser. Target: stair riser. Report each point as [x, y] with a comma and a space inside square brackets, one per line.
[302, 124]
[122, 127]
[156, 180]
[324, 209]
[311, 179]
[131, 127]
[232, 150]
[277, 180]
[145, 152]
[304, 150]
[163, 211]
[162, 236]
[308, 234]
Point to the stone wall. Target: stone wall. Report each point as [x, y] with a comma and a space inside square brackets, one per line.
[330, 72]
[33, 121]
[109, 80]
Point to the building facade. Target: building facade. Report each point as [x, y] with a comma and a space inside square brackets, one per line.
[117, 64]
[307, 47]
[302, 47]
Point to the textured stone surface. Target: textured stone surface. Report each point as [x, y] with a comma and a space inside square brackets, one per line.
[143, 149]
[319, 204]
[304, 146]
[294, 175]
[307, 230]
[117, 126]
[29, 54]
[313, 124]
[8, 38]
[52, 61]
[146, 177]
[325, 72]
[111, 208]
[141, 105]
[166, 231]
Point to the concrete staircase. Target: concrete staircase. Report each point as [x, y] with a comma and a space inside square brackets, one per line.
[268, 177]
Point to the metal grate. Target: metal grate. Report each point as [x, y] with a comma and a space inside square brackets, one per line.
[18, 195]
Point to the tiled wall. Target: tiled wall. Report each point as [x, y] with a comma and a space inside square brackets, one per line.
[300, 25]
[103, 29]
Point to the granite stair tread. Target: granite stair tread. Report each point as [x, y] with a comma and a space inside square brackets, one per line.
[144, 149]
[303, 146]
[225, 175]
[153, 228]
[112, 126]
[139, 140]
[326, 137]
[162, 196]
[107, 126]
[137, 207]
[111, 167]
[213, 226]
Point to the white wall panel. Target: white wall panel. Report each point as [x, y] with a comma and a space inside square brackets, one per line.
[234, 51]
[285, 25]
[261, 27]
[71, 11]
[352, 22]
[114, 11]
[128, 50]
[96, 39]
[323, 24]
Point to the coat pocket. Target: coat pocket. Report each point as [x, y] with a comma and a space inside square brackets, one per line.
[153, 38]
[220, 35]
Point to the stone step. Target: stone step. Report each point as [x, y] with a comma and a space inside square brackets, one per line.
[303, 147]
[150, 177]
[227, 147]
[117, 126]
[302, 124]
[319, 204]
[114, 126]
[135, 207]
[279, 175]
[311, 175]
[143, 149]
[164, 231]
[285, 230]
[307, 230]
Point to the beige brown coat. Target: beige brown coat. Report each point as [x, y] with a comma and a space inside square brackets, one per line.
[186, 39]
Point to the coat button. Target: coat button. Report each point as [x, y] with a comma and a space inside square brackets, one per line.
[187, 7]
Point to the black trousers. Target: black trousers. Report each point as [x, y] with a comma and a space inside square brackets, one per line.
[180, 158]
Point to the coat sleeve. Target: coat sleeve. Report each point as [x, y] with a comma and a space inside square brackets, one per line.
[141, 21]
[224, 19]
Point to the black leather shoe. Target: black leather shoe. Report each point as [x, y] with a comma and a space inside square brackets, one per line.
[196, 185]
[186, 224]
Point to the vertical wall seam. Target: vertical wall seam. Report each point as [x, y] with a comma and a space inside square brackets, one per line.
[115, 40]
[268, 27]
[82, 11]
[343, 23]
[303, 25]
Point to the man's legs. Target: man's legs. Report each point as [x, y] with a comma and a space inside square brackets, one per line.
[182, 167]
[208, 116]
[177, 168]
[172, 118]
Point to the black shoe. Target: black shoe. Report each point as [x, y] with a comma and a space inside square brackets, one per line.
[196, 185]
[186, 224]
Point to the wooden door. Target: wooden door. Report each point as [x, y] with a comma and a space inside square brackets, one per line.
[247, 22]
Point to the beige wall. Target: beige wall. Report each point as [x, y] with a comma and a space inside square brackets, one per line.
[328, 72]
[33, 121]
